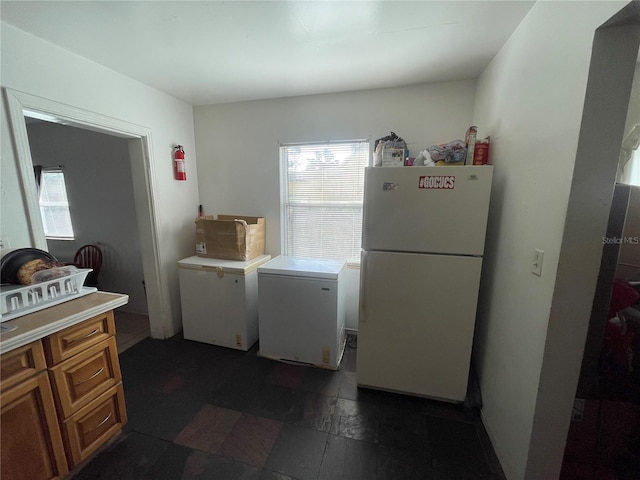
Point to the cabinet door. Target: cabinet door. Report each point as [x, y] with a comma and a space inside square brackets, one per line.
[32, 446]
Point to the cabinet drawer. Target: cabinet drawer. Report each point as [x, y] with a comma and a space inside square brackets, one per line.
[94, 424]
[70, 341]
[82, 378]
[21, 363]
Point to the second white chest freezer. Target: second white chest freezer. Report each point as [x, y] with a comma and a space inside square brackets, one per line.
[302, 310]
[219, 300]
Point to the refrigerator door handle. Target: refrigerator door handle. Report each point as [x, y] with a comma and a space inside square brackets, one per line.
[363, 277]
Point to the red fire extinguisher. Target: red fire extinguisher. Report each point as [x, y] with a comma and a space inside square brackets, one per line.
[178, 157]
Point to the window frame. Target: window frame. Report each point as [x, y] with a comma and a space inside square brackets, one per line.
[41, 186]
[285, 202]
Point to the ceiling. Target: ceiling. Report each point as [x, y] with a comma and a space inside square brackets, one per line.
[206, 52]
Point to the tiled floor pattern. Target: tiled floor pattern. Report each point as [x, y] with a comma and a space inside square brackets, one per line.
[197, 411]
[131, 328]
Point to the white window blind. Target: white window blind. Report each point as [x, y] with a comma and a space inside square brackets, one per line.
[322, 187]
[54, 205]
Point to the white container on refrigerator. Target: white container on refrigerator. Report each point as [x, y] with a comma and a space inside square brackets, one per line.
[302, 310]
[219, 300]
[423, 240]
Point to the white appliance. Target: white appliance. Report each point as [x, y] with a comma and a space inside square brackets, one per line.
[219, 300]
[302, 310]
[423, 240]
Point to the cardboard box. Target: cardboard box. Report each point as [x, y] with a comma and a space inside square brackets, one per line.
[230, 237]
[393, 157]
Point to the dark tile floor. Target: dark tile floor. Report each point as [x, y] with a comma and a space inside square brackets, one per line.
[198, 411]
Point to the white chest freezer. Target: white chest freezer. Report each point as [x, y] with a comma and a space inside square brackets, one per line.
[302, 310]
[219, 300]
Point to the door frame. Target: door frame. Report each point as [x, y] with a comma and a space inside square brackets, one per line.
[21, 104]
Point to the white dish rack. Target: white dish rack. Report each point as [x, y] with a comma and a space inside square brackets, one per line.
[19, 300]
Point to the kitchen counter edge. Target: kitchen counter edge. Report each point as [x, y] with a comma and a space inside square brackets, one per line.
[40, 324]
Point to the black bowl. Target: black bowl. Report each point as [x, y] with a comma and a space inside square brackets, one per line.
[13, 260]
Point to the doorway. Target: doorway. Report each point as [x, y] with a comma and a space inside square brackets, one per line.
[97, 182]
[137, 140]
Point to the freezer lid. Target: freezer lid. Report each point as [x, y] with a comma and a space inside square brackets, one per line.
[230, 266]
[426, 209]
[304, 267]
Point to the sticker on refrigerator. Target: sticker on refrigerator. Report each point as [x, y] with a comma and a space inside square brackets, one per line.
[389, 186]
[437, 182]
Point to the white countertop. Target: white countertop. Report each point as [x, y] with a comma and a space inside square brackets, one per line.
[34, 326]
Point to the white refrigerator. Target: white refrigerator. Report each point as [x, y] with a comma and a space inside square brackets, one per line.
[422, 246]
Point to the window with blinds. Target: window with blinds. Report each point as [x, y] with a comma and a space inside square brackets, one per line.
[322, 187]
[54, 205]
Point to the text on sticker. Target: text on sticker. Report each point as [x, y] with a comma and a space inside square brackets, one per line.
[437, 181]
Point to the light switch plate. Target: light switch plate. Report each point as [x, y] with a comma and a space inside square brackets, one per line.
[536, 266]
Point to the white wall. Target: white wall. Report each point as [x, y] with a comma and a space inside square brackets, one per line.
[14, 233]
[39, 68]
[615, 49]
[530, 100]
[237, 144]
[100, 193]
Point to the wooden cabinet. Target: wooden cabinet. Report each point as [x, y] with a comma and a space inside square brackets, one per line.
[87, 385]
[62, 399]
[30, 439]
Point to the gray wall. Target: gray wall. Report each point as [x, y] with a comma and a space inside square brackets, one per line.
[100, 193]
